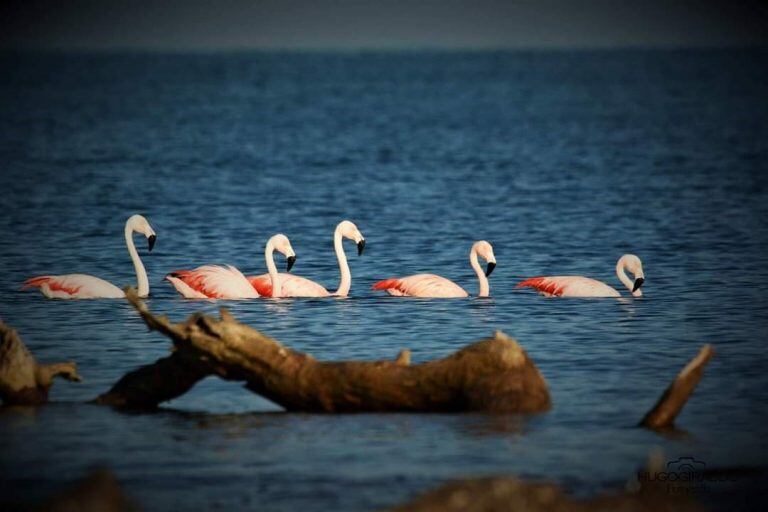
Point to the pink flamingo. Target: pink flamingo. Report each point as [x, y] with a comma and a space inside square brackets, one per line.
[218, 282]
[578, 286]
[297, 286]
[430, 285]
[82, 286]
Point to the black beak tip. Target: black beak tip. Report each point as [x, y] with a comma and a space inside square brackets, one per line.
[489, 269]
[152, 239]
[291, 260]
[638, 283]
[360, 247]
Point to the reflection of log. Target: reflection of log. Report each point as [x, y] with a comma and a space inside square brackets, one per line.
[22, 380]
[493, 375]
[676, 395]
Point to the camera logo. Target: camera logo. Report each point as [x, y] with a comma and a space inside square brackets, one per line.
[685, 475]
[686, 466]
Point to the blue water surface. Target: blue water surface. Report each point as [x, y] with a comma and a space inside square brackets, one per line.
[564, 161]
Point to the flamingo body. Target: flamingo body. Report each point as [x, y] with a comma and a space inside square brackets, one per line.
[578, 286]
[431, 285]
[212, 282]
[293, 286]
[74, 286]
[219, 282]
[421, 285]
[83, 286]
[569, 286]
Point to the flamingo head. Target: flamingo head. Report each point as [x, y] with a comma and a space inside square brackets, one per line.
[485, 251]
[632, 264]
[139, 224]
[347, 229]
[281, 244]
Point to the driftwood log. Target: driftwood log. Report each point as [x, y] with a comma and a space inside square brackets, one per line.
[492, 375]
[22, 379]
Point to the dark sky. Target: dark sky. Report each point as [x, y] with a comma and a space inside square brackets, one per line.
[365, 24]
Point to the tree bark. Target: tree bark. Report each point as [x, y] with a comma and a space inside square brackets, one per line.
[492, 375]
[671, 402]
[23, 381]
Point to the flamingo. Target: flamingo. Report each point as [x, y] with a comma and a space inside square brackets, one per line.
[82, 286]
[297, 286]
[578, 286]
[219, 282]
[431, 285]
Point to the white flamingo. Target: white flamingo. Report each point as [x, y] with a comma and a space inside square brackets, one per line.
[431, 285]
[578, 286]
[217, 282]
[82, 286]
[297, 286]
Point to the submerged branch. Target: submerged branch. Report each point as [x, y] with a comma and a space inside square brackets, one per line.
[671, 402]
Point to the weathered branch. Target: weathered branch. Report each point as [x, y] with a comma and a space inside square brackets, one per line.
[671, 402]
[23, 381]
[494, 375]
[403, 357]
[152, 384]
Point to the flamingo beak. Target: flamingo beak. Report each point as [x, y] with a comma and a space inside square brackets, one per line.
[638, 283]
[152, 239]
[291, 260]
[360, 246]
[489, 269]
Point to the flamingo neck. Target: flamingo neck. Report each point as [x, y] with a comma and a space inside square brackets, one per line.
[623, 277]
[141, 272]
[346, 276]
[274, 275]
[484, 286]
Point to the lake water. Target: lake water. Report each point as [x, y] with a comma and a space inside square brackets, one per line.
[564, 161]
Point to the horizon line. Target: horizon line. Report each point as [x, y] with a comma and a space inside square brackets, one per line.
[142, 49]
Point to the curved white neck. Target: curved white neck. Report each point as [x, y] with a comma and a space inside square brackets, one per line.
[274, 275]
[484, 286]
[623, 277]
[346, 276]
[141, 272]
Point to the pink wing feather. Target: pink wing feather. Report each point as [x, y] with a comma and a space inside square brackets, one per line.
[213, 282]
[291, 284]
[421, 285]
